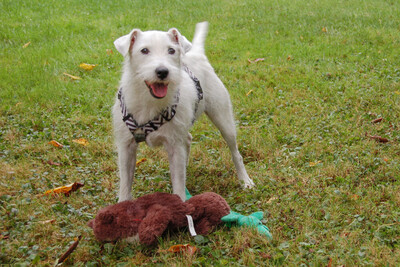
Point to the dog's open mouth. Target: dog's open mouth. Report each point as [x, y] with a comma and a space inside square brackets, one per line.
[157, 90]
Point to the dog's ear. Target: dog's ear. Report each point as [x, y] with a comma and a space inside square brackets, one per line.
[124, 43]
[179, 39]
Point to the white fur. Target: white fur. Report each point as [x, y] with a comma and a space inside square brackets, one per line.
[174, 135]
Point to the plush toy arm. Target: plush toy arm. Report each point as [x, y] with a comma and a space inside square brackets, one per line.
[262, 229]
[231, 219]
[154, 224]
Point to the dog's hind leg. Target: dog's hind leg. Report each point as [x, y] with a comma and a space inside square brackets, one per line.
[221, 115]
[127, 164]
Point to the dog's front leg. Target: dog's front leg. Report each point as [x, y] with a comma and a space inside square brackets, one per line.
[178, 156]
[127, 164]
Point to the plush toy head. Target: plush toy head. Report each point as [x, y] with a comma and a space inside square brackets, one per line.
[149, 216]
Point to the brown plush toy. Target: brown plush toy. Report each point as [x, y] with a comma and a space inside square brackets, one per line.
[149, 216]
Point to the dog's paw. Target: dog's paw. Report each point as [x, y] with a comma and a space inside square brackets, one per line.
[248, 184]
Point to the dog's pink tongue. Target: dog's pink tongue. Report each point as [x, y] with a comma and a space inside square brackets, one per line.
[159, 89]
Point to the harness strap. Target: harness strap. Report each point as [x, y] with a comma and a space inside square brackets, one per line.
[165, 116]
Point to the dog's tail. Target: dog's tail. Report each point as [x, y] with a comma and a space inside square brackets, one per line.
[199, 37]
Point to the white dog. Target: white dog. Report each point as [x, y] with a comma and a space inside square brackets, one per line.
[167, 83]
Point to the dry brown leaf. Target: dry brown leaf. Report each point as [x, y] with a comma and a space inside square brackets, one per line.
[255, 60]
[81, 141]
[140, 161]
[56, 144]
[312, 164]
[377, 120]
[330, 262]
[271, 199]
[109, 52]
[86, 66]
[354, 197]
[47, 221]
[26, 45]
[378, 138]
[50, 162]
[69, 251]
[183, 249]
[249, 92]
[72, 76]
[66, 190]
[324, 29]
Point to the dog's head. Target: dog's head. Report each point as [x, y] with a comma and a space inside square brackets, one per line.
[154, 58]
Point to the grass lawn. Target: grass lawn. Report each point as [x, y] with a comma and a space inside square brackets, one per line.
[306, 118]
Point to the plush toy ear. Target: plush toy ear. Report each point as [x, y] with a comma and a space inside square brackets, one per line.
[90, 223]
[106, 217]
[124, 43]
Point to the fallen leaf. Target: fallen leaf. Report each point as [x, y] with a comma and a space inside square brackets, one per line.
[183, 249]
[249, 92]
[330, 262]
[378, 138]
[4, 236]
[86, 66]
[312, 164]
[140, 161]
[265, 255]
[56, 144]
[289, 58]
[109, 52]
[355, 197]
[69, 251]
[66, 190]
[26, 45]
[50, 162]
[47, 221]
[271, 199]
[81, 141]
[324, 29]
[72, 76]
[377, 120]
[386, 159]
[397, 92]
[345, 234]
[255, 60]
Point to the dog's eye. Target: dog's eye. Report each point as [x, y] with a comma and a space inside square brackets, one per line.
[145, 51]
[171, 51]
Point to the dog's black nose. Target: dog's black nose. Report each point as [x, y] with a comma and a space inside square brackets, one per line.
[162, 72]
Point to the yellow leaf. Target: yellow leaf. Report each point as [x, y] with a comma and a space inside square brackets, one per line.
[249, 92]
[72, 76]
[324, 29]
[86, 66]
[140, 161]
[271, 199]
[81, 141]
[397, 92]
[64, 189]
[26, 45]
[55, 143]
[312, 164]
[354, 197]
[183, 248]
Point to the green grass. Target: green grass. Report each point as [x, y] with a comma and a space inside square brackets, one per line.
[330, 193]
